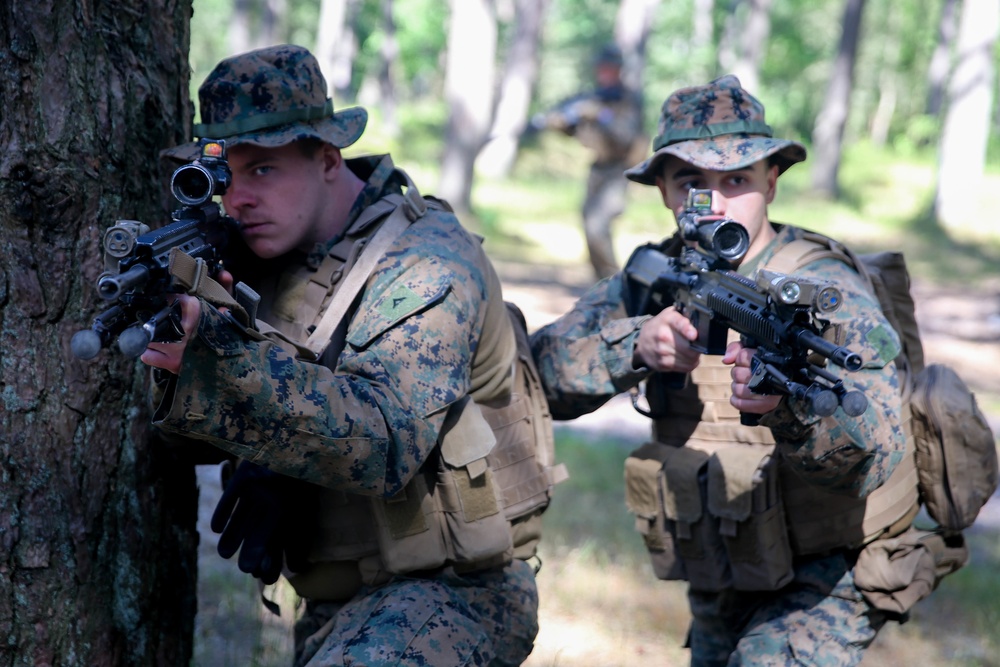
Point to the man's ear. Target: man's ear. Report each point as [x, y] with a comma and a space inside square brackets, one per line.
[772, 182]
[332, 160]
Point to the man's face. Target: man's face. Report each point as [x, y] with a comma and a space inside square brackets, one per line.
[607, 74]
[280, 196]
[742, 195]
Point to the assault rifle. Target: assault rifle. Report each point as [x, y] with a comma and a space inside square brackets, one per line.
[778, 314]
[136, 278]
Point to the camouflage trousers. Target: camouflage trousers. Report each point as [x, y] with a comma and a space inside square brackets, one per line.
[819, 619]
[605, 201]
[483, 618]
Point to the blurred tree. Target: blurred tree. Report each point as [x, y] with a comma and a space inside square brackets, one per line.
[940, 65]
[962, 149]
[702, 36]
[387, 79]
[828, 132]
[633, 24]
[97, 524]
[240, 33]
[520, 77]
[885, 73]
[336, 45]
[742, 52]
[469, 89]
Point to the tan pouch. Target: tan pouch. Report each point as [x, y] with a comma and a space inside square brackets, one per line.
[475, 527]
[894, 574]
[743, 495]
[684, 485]
[642, 497]
[955, 448]
[409, 530]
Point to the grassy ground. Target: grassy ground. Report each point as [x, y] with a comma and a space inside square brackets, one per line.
[601, 604]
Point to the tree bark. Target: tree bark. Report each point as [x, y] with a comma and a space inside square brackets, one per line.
[828, 132]
[97, 524]
[469, 91]
[962, 152]
[519, 81]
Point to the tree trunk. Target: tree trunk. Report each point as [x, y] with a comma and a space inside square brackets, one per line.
[828, 132]
[519, 81]
[469, 91]
[97, 524]
[387, 70]
[702, 36]
[273, 23]
[336, 45]
[728, 50]
[240, 31]
[937, 72]
[962, 153]
[749, 44]
[632, 27]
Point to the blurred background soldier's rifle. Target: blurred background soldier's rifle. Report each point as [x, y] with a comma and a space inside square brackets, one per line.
[137, 281]
[780, 315]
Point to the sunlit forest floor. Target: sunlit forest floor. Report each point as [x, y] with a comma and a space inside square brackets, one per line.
[601, 606]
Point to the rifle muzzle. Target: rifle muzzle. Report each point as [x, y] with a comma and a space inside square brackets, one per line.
[111, 287]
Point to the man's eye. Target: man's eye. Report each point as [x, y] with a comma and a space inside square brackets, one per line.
[260, 171]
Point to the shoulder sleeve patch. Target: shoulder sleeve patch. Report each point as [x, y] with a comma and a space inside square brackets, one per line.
[418, 288]
[884, 341]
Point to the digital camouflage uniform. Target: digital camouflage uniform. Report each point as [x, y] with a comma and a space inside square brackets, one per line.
[367, 420]
[585, 357]
[608, 121]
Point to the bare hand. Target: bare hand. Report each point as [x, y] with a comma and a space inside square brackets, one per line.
[168, 355]
[742, 398]
[664, 344]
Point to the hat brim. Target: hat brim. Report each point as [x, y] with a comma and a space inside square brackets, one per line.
[341, 130]
[724, 153]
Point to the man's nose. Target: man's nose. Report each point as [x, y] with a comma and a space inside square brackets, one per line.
[718, 203]
[238, 197]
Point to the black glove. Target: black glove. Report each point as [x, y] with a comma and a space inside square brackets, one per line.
[262, 511]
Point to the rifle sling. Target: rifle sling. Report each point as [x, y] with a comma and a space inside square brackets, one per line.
[193, 275]
[411, 208]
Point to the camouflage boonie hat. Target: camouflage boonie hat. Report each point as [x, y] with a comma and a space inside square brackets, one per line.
[717, 126]
[270, 97]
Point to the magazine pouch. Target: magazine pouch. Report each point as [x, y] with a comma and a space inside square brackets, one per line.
[743, 495]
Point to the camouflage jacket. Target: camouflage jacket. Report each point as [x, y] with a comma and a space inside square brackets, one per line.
[367, 423]
[585, 358]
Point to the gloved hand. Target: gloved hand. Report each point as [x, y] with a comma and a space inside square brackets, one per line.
[260, 515]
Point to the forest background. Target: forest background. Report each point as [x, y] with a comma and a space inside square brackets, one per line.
[879, 139]
[896, 102]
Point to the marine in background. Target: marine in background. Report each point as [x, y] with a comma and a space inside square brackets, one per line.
[608, 121]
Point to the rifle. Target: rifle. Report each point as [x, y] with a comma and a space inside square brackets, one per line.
[778, 314]
[136, 278]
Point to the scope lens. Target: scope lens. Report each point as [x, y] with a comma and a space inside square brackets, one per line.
[192, 185]
[728, 239]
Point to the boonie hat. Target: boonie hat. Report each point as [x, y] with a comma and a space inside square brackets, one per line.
[270, 97]
[717, 126]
